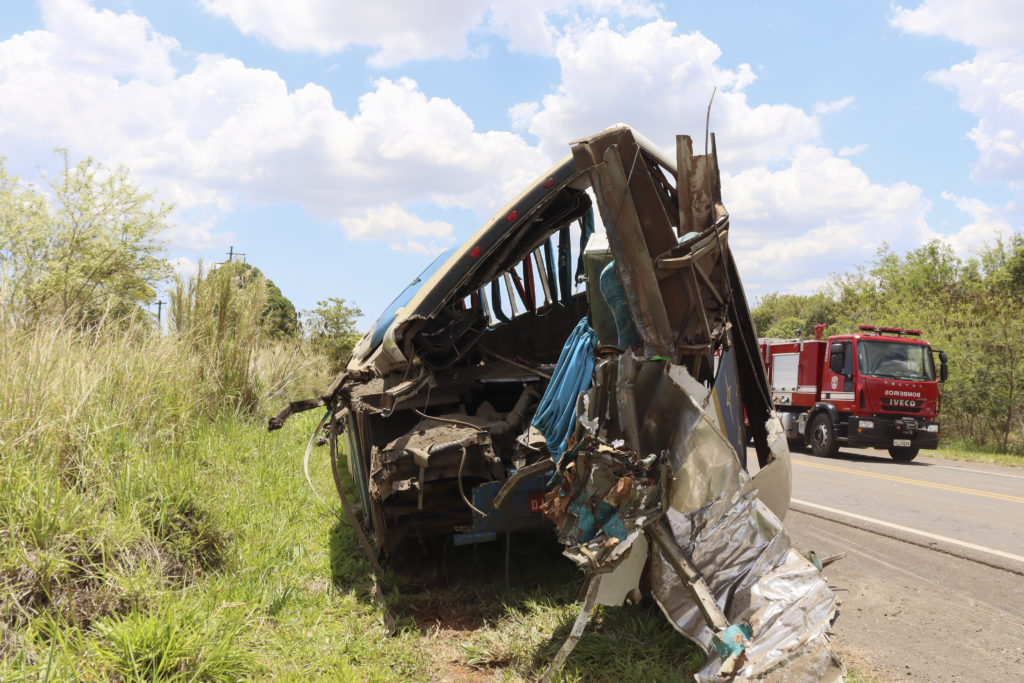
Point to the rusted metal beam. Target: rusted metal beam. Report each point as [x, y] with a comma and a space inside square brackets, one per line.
[684, 175]
[626, 239]
[698, 184]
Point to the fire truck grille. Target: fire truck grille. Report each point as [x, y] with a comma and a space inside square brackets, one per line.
[902, 405]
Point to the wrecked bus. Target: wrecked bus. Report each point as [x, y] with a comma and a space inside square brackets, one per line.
[535, 377]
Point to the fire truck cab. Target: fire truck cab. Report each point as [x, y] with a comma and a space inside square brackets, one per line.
[874, 389]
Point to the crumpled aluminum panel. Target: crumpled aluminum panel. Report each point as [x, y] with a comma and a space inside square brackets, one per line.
[742, 550]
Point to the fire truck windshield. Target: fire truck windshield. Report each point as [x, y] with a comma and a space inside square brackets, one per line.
[895, 360]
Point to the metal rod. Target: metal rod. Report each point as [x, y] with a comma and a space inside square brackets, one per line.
[661, 534]
[577, 630]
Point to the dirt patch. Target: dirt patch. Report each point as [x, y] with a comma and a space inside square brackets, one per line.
[445, 609]
[460, 589]
[189, 541]
[448, 653]
[967, 619]
[74, 581]
[70, 586]
[11, 642]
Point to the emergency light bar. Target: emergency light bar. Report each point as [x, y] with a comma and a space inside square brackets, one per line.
[890, 330]
[913, 333]
[867, 328]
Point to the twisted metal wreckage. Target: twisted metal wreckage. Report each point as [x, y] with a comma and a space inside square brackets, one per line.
[490, 389]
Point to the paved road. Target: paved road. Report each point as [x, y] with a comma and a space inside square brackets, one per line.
[932, 587]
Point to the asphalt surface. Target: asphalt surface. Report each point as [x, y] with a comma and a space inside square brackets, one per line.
[932, 584]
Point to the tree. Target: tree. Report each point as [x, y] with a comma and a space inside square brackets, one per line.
[23, 226]
[87, 250]
[781, 315]
[278, 315]
[973, 309]
[331, 329]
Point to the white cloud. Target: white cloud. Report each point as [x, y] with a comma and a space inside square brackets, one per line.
[852, 151]
[401, 229]
[195, 230]
[991, 84]
[799, 210]
[184, 266]
[659, 82]
[992, 88]
[399, 31]
[988, 223]
[821, 108]
[99, 42]
[820, 215]
[221, 133]
[991, 24]
[402, 31]
[225, 132]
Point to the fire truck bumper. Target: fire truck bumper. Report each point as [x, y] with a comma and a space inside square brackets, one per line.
[887, 432]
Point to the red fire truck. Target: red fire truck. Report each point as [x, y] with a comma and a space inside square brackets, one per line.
[874, 389]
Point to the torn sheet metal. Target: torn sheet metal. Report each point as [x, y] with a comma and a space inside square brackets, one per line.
[741, 572]
[647, 441]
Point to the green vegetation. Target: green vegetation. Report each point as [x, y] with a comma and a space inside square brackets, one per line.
[331, 329]
[854, 675]
[278, 316]
[86, 252]
[151, 528]
[973, 309]
[782, 315]
[970, 452]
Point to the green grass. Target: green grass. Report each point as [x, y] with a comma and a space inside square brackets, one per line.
[855, 675]
[969, 452]
[149, 530]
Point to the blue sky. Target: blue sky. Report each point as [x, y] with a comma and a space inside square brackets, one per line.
[340, 145]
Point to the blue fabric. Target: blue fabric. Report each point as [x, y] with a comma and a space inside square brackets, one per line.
[732, 640]
[556, 414]
[615, 527]
[590, 522]
[615, 297]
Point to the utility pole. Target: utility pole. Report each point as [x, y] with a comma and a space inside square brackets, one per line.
[232, 255]
[159, 311]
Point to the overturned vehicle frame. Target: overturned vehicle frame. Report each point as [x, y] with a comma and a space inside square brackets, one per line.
[538, 375]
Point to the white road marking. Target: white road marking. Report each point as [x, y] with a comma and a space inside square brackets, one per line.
[918, 532]
[967, 469]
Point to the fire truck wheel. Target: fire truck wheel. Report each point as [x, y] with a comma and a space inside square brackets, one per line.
[823, 438]
[903, 454]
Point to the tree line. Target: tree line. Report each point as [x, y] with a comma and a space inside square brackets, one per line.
[84, 248]
[972, 308]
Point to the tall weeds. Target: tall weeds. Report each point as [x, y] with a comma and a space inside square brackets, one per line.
[218, 316]
[103, 472]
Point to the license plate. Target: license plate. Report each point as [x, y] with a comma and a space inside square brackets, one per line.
[901, 442]
[536, 500]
